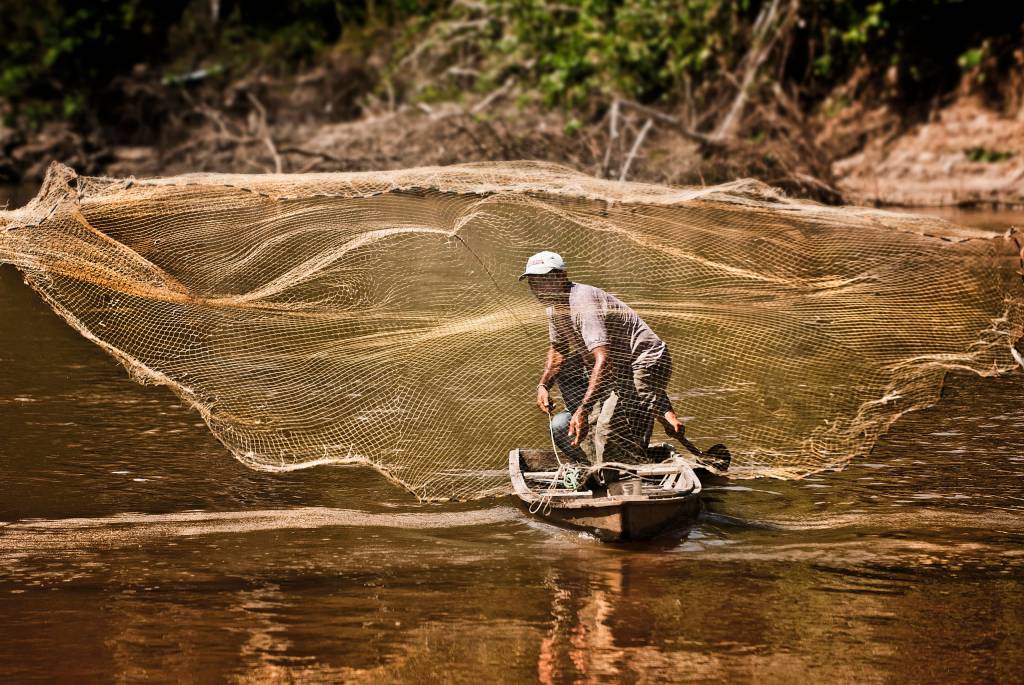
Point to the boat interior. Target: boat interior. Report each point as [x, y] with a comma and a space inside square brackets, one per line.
[661, 474]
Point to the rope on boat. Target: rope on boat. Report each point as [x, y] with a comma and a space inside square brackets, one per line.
[561, 475]
[571, 476]
[571, 480]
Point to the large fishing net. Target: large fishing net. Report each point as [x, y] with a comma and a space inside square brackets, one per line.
[376, 317]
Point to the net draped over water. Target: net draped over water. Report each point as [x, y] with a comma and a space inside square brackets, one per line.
[376, 317]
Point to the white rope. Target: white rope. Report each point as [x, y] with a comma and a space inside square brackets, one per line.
[562, 475]
[551, 432]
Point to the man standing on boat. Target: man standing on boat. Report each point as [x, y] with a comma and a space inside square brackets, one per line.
[611, 368]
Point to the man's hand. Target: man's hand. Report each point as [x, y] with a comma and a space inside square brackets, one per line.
[673, 426]
[544, 399]
[551, 367]
[578, 426]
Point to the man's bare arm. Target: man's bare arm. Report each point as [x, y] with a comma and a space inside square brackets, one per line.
[602, 364]
[551, 368]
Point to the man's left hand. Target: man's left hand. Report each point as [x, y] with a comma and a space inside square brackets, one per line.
[578, 426]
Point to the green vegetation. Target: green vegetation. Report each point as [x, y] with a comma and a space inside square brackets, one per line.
[981, 154]
[60, 59]
[644, 49]
[55, 56]
[660, 50]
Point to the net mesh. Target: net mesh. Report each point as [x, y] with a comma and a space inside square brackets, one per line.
[376, 317]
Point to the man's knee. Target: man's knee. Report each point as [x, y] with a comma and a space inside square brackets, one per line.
[560, 423]
[563, 441]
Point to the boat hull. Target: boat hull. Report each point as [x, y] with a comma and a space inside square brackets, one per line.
[623, 521]
[623, 514]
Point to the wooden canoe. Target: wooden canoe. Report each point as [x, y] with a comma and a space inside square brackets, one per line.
[649, 499]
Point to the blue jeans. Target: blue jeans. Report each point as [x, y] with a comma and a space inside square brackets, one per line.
[563, 441]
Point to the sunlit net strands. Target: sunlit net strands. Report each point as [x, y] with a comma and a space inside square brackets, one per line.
[376, 317]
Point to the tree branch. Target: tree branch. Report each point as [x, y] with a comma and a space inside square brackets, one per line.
[637, 142]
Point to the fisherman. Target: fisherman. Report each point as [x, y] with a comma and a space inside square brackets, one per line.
[611, 369]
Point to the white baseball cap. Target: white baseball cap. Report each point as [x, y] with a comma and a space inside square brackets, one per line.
[542, 263]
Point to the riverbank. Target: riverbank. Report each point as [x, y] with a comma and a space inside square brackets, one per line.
[963, 154]
[856, 104]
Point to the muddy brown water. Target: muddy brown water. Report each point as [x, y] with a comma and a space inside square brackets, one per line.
[133, 548]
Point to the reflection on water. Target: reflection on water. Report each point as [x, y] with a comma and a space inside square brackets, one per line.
[134, 548]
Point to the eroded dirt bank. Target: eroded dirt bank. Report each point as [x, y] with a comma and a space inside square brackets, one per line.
[966, 151]
[965, 154]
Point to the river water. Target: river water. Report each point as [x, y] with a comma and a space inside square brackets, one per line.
[132, 547]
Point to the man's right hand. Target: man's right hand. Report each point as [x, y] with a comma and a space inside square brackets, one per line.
[544, 399]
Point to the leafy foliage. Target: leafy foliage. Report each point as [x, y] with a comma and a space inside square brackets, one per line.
[55, 54]
[986, 156]
[58, 57]
[655, 50]
[925, 44]
[640, 48]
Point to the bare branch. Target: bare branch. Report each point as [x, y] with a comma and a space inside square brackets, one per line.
[675, 122]
[456, 70]
[324, 156]
[220, 122]
[493, 95]
[613, 137]
[264, 129]
[637, 142]
[768, 28]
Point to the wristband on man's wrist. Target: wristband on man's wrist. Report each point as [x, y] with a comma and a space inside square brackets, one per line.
[544, 385]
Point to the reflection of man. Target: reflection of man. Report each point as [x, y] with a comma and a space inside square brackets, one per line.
[611, 368]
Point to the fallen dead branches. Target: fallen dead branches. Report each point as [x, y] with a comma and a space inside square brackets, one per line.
[254, 128]
[772, 24]
[493, 95]
[681, 127]
[263, 132]
[616, 123]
